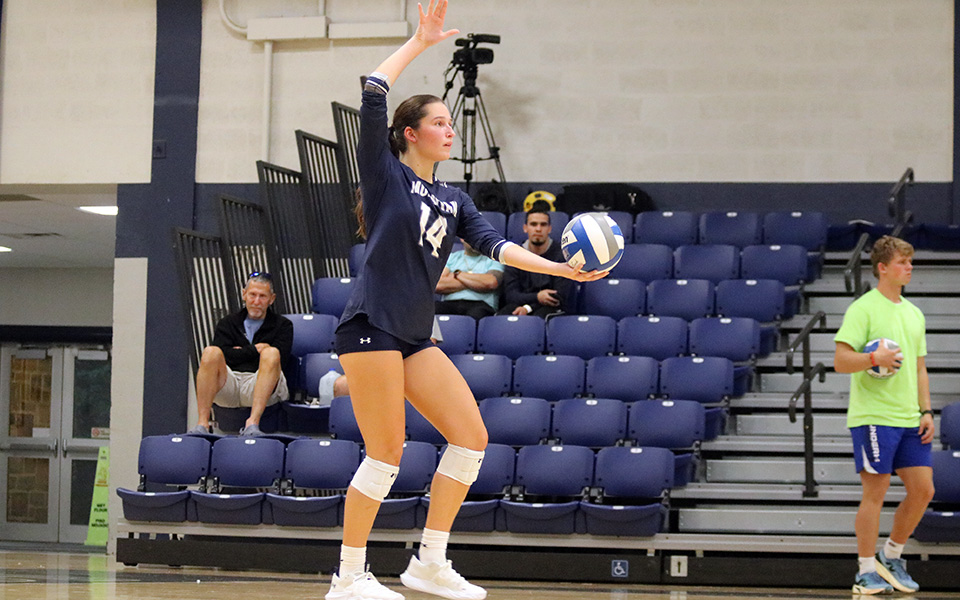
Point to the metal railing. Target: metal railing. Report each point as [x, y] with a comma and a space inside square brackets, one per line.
[853, 270]
[897, 203]
[818, 370]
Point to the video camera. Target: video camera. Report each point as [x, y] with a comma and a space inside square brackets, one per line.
[469, 55]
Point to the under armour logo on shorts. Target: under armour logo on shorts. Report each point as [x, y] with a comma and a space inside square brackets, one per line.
[365, 340]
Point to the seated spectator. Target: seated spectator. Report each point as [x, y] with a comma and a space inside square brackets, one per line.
[469, 284]
[244, 364]
[527, 293]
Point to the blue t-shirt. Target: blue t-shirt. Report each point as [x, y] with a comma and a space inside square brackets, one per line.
[251, 327]
[478, 263]
[411, 226]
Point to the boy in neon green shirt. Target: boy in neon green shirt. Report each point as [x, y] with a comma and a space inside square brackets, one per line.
[890, 419]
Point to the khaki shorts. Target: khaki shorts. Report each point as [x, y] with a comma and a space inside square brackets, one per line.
[238, 390]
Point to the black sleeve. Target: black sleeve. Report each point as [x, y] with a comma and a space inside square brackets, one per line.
[284, 340]
[513, 288]
[225, 339]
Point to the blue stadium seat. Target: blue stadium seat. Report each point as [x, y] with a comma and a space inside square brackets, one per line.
[625, 221]
[561, 473]
[626, 378]
[941, 521]
[950, 426]
[760, 299]
[631, 482]
[688, 299]
[510, 335]
[785, 263]
[516, 221]
[549, 377]
[614, 298]
[330, 295]
[355, 258]
[807, 229]
[582, 335]
[705, 379]
[311, 464]
[672, 228]
[497, 219]
[593, 422]
[316, 366]
[237, 462]
[673, 424]
[516, 421]
[403, 509]
[656, 337]
[487, 374]
[343, 423]
[736, 338]
[734, 228]
[941, 237]
[175, 460]
[459, 334]
[312, 333]
[713, 262]
[232, 420]
[481, 510]
[419, 428]
[645, 262]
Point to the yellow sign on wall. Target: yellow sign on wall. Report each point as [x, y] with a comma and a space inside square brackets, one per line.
[98, 531]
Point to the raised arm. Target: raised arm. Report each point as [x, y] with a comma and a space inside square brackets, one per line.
[519, 257]
[429, 33]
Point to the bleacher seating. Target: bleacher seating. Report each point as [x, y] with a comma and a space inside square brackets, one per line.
[706, 379]
[735, 338]
[510, 335]
[759, 299]
[645, 262]
[343, 424]
[481, 510]
[561, 475]
[487, 375]
[419, 429]
[630, 483]
[582, 335]
[312, 334]
[237, 462]
[941, 521]
[497, 219]
[784, 263]
[713, 262]
[685, 298]
[549, 377]
[593, 422]
[330, 294]
[672, 228]
[673, 424]
[516, 221]
[950, 426]
[314, 466]
[615, 298]
[167, 460]
[657, 337]
[459, 334]
[516, 421]
[626, 378]
[730, 227]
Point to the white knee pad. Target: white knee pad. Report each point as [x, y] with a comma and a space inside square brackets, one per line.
[374, 479]
[461, 464]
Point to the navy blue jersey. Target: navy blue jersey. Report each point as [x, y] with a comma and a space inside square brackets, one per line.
[411, 226]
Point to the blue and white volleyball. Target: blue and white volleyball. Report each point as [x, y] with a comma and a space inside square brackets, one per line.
[592, 242]
[878, 371]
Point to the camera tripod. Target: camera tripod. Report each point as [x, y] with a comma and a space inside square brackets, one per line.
[467, 110]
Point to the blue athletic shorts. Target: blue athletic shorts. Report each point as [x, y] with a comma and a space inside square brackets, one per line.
[358, 335]
[883, 449]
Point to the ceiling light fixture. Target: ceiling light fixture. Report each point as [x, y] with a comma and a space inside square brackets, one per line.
[110, 211]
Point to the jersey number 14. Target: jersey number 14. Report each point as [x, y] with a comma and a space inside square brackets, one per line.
[436, 231]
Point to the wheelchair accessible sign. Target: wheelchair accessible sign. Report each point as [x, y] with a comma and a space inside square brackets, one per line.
[620, 568]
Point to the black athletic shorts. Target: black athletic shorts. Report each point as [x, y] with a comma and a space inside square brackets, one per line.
[358, 335]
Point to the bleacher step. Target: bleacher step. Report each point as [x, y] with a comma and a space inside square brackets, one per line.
[942, 383]
[782, 519]
[770, 444]
[771, 492]
[780, 470]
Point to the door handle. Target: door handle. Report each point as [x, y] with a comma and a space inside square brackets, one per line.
[52, 445]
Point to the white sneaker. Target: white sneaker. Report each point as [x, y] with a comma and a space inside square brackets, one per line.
[361, 586]
[440, 579]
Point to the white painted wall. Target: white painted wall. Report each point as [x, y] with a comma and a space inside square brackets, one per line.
[658, 90]
[77, 91]
[56, 297]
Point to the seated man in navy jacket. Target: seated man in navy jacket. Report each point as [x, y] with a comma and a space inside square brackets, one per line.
[244, 364]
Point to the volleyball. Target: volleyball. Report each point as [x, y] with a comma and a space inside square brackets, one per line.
[592, 242]
[881, 372]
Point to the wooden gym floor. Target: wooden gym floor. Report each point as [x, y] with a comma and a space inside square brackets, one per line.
[38, 575]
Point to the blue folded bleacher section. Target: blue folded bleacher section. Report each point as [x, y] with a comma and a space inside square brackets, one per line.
[593, 416]
[941, 521]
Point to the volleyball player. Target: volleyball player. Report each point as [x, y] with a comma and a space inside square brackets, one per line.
[411, 220]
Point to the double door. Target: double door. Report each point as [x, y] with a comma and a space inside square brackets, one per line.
[54, 417]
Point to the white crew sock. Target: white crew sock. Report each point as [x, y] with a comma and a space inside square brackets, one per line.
[433, 546]
[892, 549]
[868, 564]
[352, 560]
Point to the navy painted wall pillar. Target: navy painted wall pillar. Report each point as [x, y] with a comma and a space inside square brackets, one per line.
[149, 212]
[955, 197]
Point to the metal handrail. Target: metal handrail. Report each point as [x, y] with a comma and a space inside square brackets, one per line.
[896, 201]
[853, 270]
[803, 340]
